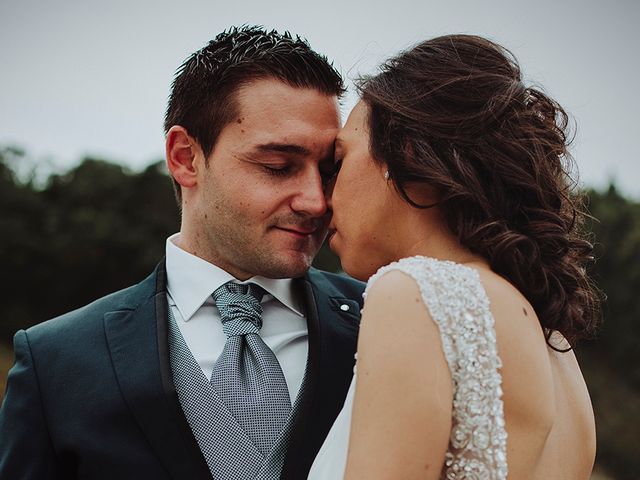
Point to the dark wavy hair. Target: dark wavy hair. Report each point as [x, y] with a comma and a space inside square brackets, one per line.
[454, 114]
[202, 98]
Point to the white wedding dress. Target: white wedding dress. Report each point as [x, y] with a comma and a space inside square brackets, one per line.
[458, 304]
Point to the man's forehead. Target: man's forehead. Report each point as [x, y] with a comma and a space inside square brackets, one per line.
[269, 91]
[272, 117]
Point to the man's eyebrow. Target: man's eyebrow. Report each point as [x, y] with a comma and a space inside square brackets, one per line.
[282, 148]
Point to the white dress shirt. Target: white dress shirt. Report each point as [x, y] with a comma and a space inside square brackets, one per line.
[190, 283]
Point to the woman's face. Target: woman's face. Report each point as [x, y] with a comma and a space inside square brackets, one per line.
[363, 202]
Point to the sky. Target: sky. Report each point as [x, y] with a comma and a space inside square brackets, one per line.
[92, 78]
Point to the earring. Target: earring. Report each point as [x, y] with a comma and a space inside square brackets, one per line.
[386, 175]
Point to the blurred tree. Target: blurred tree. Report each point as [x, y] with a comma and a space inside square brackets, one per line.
[21, 244]
[93, 230]
[611, 362]
[617, 272]
[327, 260]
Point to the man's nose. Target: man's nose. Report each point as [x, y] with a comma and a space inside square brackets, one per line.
[311, 196]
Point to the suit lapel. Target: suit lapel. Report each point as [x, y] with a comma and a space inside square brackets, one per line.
[332, 342]
[303, 434]
[137, 338]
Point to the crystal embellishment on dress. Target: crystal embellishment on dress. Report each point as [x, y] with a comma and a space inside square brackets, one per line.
[459, 305]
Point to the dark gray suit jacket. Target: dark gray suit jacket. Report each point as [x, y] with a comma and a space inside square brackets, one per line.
[91, 393]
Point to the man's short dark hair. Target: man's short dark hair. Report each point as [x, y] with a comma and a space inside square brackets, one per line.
[202, 96]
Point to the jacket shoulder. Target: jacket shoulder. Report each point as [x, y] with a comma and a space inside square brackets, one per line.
[337, 284]
[87, 316]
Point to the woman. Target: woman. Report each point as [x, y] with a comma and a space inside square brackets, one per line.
[453, 180]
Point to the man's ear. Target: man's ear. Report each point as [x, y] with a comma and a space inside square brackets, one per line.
[181, 151]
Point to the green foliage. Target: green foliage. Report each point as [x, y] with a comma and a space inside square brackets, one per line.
[92, 230]
[611, 363]
[327, 260]
[617, 272]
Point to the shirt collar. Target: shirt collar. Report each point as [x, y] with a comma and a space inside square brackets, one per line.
[191, 281]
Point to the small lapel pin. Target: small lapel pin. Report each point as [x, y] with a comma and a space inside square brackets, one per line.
[344, 307]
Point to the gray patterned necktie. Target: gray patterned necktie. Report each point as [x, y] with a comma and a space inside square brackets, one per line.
[247, 375]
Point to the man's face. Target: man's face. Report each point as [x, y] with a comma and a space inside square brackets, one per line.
[259, 205]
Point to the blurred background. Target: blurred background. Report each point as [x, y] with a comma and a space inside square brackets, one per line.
[86, 205]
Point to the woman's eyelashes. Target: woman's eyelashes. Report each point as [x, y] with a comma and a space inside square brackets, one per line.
[331, 171]
[337, 165]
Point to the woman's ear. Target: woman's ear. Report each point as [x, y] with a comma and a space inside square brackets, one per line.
[181, 151]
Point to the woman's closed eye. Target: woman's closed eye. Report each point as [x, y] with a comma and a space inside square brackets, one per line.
[332, 172]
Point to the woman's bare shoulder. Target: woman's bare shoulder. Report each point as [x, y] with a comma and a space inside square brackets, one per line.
[401, 368]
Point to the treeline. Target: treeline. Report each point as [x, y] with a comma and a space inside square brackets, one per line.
[72, 237]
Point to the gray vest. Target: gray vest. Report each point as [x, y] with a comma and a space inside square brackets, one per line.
[228, 451]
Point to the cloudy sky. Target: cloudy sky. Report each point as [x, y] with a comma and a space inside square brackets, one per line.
[92, 77]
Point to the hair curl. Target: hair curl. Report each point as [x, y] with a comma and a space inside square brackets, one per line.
[453, 113]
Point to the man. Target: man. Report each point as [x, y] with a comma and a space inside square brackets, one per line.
[232, 359]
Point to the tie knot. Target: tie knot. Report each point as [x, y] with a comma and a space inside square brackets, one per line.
[239, 306]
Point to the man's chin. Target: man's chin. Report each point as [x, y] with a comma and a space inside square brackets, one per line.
[290, 265]
[295, 269]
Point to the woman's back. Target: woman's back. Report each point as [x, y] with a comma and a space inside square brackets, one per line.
[455, 379]
[548, 414]
[571, 443]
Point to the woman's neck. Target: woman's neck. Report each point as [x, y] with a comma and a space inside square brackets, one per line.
[424, 233]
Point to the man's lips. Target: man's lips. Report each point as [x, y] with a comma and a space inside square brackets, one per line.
[303, 232]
